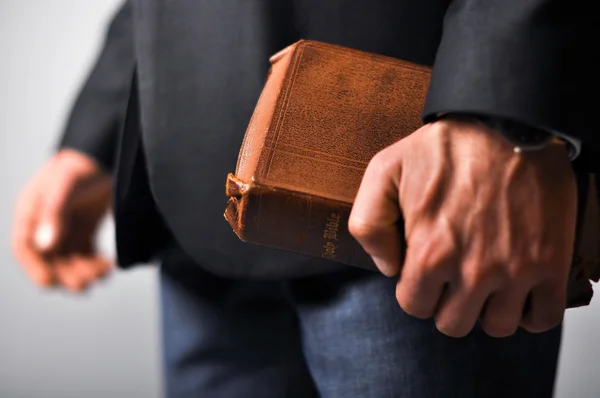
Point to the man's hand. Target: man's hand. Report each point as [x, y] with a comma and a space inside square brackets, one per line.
[56, 219]
[489, 232]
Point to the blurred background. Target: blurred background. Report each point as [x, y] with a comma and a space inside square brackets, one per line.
[106, 343]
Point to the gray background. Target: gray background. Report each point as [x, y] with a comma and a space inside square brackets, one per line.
[107, 343]
[53, 344]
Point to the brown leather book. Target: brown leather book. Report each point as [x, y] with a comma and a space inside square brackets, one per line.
[324, 112]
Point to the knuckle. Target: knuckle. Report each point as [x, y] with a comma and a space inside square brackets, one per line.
[427, 267]
[517, 271]
[361, 229]
[419, 313]
[420, 238]
[495, 327]
[456, 331]
[428, 257]
[436, 260]
[382, 163]
[544, 322]
[417, 258]
[424, 252]
[476, 275]
[518, 274]
[411, 307]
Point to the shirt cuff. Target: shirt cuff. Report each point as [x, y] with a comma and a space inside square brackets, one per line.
[573, 143]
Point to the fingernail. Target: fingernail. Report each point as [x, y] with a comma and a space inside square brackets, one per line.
[44, 236]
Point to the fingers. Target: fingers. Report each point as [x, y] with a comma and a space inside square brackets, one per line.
[376, 213]
[35, 265]
[32, 237]
[48, 253]
[91, 267]
[465, 295]
[462, 303]
[76, 273]
[503, 312]
[51, 223]
[457, 305]
[69, 277]
[459, 308]
[418, 294]
[426, 271]
[546, 307]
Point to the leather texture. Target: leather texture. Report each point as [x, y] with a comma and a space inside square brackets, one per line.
[324, 112]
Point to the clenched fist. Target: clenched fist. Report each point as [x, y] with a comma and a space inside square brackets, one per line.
[56, 220]
[489, 233]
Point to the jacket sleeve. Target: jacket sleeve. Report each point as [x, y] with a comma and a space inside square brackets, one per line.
[523, 60]
[99, 110]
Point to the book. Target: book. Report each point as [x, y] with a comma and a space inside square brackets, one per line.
[324, 112]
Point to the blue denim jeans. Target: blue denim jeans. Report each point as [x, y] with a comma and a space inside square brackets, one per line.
[340, 335]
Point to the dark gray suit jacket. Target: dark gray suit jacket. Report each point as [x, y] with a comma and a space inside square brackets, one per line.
[200, 65]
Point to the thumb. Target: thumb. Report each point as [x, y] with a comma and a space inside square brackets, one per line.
[50, 227]
[375, 220]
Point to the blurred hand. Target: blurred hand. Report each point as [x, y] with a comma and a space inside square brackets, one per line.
[56, 220]
[489, 233]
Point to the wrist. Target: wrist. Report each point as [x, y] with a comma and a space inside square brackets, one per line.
[78, 161]
[523, 137]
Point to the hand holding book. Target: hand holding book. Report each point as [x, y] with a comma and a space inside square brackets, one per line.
[473, 207]
[489, 232]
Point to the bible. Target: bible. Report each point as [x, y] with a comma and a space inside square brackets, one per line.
[324, 112]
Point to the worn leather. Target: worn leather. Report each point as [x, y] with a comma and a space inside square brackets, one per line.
[324, 112]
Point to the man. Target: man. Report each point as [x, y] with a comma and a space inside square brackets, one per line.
[486, 189]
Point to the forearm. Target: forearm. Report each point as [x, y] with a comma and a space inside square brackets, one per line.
[519, 60]
[96, 118]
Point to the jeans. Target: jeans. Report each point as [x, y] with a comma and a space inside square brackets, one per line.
[336, 335]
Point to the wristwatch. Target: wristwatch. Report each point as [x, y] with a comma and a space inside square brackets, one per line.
[522, 136]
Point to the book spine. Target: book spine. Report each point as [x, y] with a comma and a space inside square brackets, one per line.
[293, 221]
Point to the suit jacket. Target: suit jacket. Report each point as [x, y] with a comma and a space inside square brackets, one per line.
[191, 71]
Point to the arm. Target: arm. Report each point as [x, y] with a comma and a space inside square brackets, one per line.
[519, 60]
[98, 113]
[489, 233]
[59, 210]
